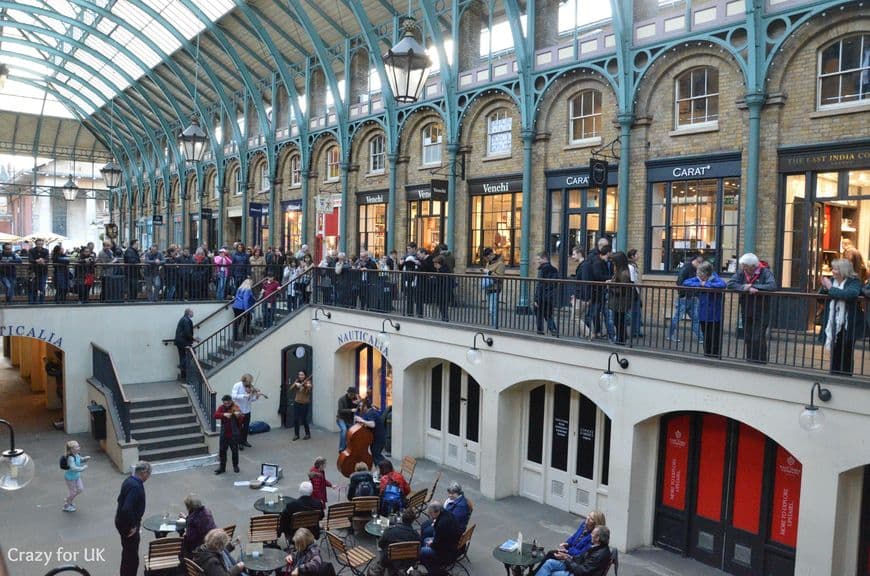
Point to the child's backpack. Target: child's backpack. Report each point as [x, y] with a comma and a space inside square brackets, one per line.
[64, 463]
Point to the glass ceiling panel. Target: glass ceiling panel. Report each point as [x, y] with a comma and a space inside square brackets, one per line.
[20, 97]
[97, 20]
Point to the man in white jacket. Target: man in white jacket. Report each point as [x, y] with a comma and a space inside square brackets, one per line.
[243, 394]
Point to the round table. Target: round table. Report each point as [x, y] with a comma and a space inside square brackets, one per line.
[153, 523]
[276, 507]
[517, 563]
[270, 560]
[375, 528]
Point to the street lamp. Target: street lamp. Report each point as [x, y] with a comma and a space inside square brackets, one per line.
[384, 335]
[70, 190]
[16, 466]
[315, 322]
[407, 65]
[111, 174]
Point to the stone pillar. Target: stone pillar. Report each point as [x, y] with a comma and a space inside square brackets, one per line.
[15, 350]
[38, 377]
[546, 23]
[473, 20]
[817, 524]
[632, 488]
[26, 358]
[499, 438]
[750, 220]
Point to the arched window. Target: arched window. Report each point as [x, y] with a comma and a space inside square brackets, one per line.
[333, 169]
[697, 97]
[376, 154]
[433, 135]
[295, 170]
[585, 116]
[844, 72]
[498, 133]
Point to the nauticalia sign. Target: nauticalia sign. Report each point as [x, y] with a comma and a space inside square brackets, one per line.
[365, 337]
[31, 332]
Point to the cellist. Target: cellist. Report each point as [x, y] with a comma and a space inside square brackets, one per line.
[347, 405]
[373, 419]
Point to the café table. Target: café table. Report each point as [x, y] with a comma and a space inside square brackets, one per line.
[271, 504]
[519, 562]
[375, 528]
[268, 561]
[154, 523]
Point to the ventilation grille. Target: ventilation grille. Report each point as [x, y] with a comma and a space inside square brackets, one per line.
[581, 497]
[453, 450]
[557, 488]
[743, 554]
[706, 541]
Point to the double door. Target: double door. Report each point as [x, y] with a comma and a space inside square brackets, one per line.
[578, 217]
[454, 417]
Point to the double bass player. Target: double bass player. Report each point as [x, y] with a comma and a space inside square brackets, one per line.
[347, 405]
[373, 419]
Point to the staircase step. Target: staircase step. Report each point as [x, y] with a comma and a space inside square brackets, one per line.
[181, 399]
[226, 350]
[141, 423]
[164, 431]
[168, 441]
[215, 357]
[193, 449]
[138, 412]
[206, 366]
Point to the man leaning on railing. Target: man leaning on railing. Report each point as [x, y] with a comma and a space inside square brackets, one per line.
[753, 277]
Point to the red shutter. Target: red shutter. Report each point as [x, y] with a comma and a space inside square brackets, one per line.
[676, 463]
[786, 498]
[330, 227]
[747, 484]
[711, 469]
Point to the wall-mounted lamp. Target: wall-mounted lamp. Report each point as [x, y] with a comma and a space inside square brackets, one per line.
[812, 418]
[474, 354]
[384, 336]
[608, 378]
[16, 466]
[315, 322]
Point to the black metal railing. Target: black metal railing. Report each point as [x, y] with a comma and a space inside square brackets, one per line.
[202, 391]
[779, 328]
[104, 371]
[88, 281]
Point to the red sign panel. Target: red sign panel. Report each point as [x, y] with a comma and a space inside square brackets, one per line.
[786, 498]
[330, 225]
[711, 470]
[676, 463]
[747, 483]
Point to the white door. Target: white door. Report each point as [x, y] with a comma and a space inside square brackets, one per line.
[586, 429]
[459, 419]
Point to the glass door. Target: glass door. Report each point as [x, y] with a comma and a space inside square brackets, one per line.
[578, 217]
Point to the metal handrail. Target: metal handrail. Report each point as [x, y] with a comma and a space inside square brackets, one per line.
[105, 371]
[205, 394]
[224, 307]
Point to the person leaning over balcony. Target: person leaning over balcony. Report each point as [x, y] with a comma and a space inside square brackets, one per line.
[8, 262]
[492, 283]
[241, 267]
[442, 284]
[546, 294]
[709, 307]
[199, 275]
[38, 256]
[843, 320]
[222, 271]
[131, 269]
[85, 274]
[687, 301]
[61, 261]
[751, 278]
[153, 261]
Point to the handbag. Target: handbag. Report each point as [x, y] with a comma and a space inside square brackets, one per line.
[89, 279]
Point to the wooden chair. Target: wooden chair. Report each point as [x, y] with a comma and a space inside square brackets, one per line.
[191, 568]
[409, 464]
[230, 530]
[365, 505]
[434, 487]
[306, 519]
[163, 554]
[614, 561]
[417, 501]
[462, 551]
[404, 555]
[339, 517]
[264, 529]
[357, 559]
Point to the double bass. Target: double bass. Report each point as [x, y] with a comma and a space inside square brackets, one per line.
[359, 440]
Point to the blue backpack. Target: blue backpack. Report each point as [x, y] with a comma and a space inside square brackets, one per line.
[391, 500]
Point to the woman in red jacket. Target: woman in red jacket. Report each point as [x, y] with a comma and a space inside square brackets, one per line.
[319, 483]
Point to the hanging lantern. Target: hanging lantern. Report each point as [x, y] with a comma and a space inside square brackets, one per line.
[407, 65]
[111, 174]
[70, 190]
[193, 141]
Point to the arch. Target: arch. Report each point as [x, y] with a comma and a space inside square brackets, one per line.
[361, 147]
[317, 159]
[569, 87]
[481, 113]
[471, 112]
[411, 135]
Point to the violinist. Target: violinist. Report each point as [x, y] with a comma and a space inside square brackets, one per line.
[244, 394]
[302, 387]
[346, 407]
[374, 419]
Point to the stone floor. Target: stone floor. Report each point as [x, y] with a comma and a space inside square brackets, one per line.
[31, 520]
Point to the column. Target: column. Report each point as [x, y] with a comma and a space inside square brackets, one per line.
[274, 205]
[632, 488]
[392, 158]
[625, 122]
[754, 102]
[342, 218]
[817, 523]
[500, 442]
[303, 224]
[528, 136]
[450, 229]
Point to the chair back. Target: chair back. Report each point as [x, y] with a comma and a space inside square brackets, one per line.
[365, 505]
[230, 530]
[191, 568]
[614, 561]
[407, 551]
[409, 464]
[336, 543]
[340, 516]
[417, 500]
[163, 554]
[306, 519]
[434, 487]
[465, 539]
[263, 528]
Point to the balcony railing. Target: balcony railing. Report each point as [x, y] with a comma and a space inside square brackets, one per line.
[777, 328]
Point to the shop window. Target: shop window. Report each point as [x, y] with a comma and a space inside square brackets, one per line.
[498, 133]
[495, 223]
[295, 171]
[585, 116]
[333, 168]
[697, 98]
[432, 137]
[844, 72]
[376, 154]
[695, 217]
[292, 231]
[372, 229]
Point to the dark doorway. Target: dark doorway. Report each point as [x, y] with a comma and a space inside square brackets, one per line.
[294, 358]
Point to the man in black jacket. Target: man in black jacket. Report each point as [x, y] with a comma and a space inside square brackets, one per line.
[38, 256]
[131, 269]
[344, 417]
[402, 532]
[184, 338]
[441, 550]
[304, 503]
[546, 294]
[596, 268]
[131, 507]
[596, 560]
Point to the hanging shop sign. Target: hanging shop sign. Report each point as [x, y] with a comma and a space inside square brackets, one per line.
[578, 178]
[434, 190]
[258, 209]
[157, 220]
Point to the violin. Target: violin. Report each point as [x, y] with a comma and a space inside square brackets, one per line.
[359, 441]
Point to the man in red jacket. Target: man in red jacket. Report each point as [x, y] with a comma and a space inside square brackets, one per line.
[232, 420]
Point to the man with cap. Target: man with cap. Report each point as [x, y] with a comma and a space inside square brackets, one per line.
[346, 407]
[232, 420]
[222, 271]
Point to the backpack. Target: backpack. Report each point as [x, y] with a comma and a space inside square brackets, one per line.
[391, 500]
[366, 488]
[64, 463]
[258, 427]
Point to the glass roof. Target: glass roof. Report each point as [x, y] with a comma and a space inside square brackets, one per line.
[73, 47]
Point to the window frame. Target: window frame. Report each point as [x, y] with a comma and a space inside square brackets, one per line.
[429, 145]
[333, 164]
[496, 116]
[295, 170]
[377, 158]
[707, 123]
[515, 231]
[820, 75]
[265, 180]
[572, 117]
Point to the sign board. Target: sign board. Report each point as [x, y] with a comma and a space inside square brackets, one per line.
[695, 168]
[372, 197]
[324, 203]
[157, 220]
[434, 190]
[258, 209]
[501, 185]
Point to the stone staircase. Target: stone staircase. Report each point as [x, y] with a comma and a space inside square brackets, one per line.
[163, 422]
[229, 350]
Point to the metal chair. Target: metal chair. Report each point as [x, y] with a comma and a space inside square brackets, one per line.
[409, 464]
[365, 505]
[614, 561]
[306, 519]
[68, 568]
[417, 501]
[191, 568]
[462, 551]
[357, 559]
[339, 517]
[264, 529]
[163, 554]
[434, 487]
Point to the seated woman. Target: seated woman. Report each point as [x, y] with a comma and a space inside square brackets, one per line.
[306, 558]
[393, 489]
[199, 523]
[362, 483]
[577, 544]
[457, 504]
[210, 556]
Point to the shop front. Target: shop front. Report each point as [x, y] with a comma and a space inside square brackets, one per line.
[291, 226]
[203, 228]
[694, 208]
[495, 218]
[374, 375]
[328, 222]
[824, 210]
[454, 412]
[259, 214]
[158, 229]
[372, 222]
[427, 213]
[579, 214]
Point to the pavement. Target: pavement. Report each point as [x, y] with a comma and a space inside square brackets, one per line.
[36, 535]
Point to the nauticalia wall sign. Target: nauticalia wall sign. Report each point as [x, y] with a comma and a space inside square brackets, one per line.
[32, 332]
[366, 338]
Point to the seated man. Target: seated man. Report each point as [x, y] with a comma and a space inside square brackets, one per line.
[581, 540]
[304, 503]
[593, 562]
[402, 532]
[457, 504]
[441, 549]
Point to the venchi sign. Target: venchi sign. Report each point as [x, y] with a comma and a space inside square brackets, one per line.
[31, 332]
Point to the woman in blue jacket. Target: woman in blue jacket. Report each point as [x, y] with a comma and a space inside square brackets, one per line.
[243, 300]
[709, 307]
[843, 321]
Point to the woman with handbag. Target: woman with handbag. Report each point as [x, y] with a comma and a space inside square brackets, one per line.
[85, 274]
[843, 321]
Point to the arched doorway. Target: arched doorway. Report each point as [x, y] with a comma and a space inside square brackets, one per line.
[294, 358]
[727, 495]
[565, 453]
[40, 367]
[373, 376]
[453, 415]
